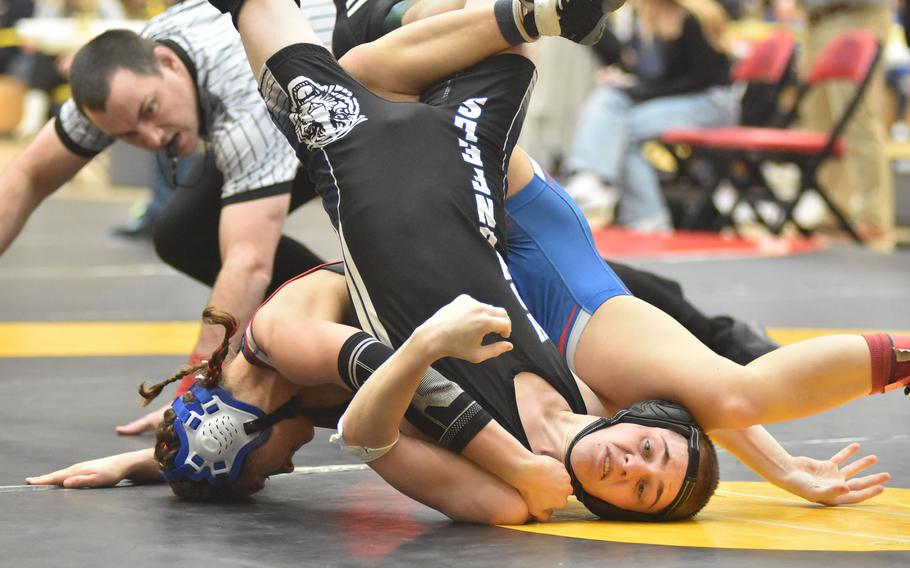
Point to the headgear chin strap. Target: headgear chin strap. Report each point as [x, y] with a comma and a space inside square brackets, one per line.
[652, 413]
[217, 432]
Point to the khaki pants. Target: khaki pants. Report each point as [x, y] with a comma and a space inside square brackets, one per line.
[860, 182]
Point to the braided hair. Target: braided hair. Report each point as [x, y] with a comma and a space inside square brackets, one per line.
[167, 442]
[210, 371]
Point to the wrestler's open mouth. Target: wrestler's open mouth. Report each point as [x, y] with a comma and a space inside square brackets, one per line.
[606, 464]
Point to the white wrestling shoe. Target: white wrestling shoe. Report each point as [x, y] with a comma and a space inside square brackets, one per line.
[581, 21]
[596, 199]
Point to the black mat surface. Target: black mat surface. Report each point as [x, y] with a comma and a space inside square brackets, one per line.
[55, 411]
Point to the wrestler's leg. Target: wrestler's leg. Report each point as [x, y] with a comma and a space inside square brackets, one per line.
[396, 65]
[564, 282]
[267, 26]
[723, 334]
[632, 351]
[740, 346]
[420, 9]
[407, 60]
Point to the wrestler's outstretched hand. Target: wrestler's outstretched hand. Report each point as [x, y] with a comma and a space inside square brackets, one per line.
[458, 329]
[102, 472]
[544, 485]
[147, 423]
[833, 481]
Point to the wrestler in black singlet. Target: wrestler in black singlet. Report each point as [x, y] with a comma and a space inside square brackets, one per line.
[415, 192]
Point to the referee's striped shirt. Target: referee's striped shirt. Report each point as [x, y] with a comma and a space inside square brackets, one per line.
[248, 149]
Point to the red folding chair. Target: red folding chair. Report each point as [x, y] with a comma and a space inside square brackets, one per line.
[766, 72]
[850, 57]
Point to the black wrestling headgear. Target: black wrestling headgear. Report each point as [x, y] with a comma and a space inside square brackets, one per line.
[653, 413]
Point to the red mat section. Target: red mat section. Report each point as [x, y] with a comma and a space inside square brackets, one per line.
[616, 242]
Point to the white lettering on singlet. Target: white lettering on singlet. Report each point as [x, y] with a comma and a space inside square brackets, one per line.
[541, 334]
[466, 120]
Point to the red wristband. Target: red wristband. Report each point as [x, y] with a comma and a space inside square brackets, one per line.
[890, 361]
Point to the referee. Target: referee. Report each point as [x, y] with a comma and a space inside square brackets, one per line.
[182, 80]
[186, 78]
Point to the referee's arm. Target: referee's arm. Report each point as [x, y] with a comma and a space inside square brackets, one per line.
[40, 170]
[248, 235]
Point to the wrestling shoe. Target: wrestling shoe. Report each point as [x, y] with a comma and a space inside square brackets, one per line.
[903, 356]
[902, 364]
[596, 199]
[581, 21]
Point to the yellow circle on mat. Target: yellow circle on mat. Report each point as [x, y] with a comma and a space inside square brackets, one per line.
[759, 516]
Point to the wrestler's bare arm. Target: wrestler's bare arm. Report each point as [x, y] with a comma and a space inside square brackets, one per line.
[440, 479]
[108, 471]
[37, 172]
[298, 329]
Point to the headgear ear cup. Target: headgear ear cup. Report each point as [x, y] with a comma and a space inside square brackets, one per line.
[217, 432]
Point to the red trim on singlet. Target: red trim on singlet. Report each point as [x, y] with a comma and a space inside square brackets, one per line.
[549, 177]
[561, 346]
[299, 276]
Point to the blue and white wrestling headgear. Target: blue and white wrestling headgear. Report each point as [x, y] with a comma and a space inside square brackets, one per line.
[653, 413]
[217, 432]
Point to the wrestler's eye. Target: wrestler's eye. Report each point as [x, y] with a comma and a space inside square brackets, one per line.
[149, 110]
[640, 489]
[647, 448]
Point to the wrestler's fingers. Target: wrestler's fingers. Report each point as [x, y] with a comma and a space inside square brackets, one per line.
[544, 516]
[859, 496]
[78, 481]
[493, 319]
[867, 481]
[490, 309]
[496, 311]
[858, 466]
[501, 325]
[53, 478]
[492, 350]
[832, 494]
[842, 456]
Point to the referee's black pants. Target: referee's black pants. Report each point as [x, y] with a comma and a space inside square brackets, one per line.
[186, 231]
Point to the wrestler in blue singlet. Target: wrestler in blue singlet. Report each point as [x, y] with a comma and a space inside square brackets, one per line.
[554, 263]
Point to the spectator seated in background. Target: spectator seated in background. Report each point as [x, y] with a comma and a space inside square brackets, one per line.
[625, 111]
